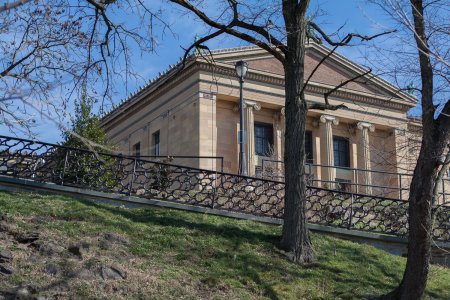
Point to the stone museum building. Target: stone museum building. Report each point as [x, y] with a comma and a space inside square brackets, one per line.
[368, 147]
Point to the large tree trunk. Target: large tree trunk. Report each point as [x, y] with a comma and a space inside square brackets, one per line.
[420, 221]
[435, 138]
[295, 237]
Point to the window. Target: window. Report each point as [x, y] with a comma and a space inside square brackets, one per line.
[156, 143]
[308, 147]
[341, 152]
[263, 139]
[137, 150]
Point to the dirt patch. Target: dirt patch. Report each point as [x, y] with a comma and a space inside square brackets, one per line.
[38, 263]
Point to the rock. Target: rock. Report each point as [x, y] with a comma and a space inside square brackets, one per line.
[105, 244]
[4, 217]
[4, 236]
[60, 287]
[7, 227]
[5, 256]
[49, 249]
[52, 269]
[115, 238]
[25, 292]
[6, 270]
[27, 237]
[79, 249]
[112, 273]
[85, 274]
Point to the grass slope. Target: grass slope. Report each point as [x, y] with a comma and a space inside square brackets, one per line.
[182, 255]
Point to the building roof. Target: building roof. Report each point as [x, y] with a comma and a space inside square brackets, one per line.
[230, 55]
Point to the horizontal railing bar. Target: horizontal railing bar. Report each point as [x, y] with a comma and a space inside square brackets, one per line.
[360, 184]
[141, 160]
[345, 168]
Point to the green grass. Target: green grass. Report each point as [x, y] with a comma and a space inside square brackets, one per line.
[175, 254]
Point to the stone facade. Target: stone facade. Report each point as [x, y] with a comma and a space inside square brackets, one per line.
[196, 113]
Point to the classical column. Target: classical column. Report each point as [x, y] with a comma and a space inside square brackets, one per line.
[283, 130]
[279, 140]
[326, 138]
[364, 150]
[250, 107]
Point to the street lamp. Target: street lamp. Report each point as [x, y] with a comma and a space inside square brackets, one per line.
[241, 70]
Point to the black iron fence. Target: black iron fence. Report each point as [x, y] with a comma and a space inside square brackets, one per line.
[213, 189]
[384, 184]
[216, 162]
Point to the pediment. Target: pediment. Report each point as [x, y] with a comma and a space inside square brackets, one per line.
[335, 70]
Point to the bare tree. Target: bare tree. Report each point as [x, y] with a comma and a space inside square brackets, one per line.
[50, 49]
[420, 62]
[282, 28]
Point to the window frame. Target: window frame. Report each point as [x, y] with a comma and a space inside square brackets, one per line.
[309, 156]
[156, 140]
[137, 150]
[268, 127]
[345, 154]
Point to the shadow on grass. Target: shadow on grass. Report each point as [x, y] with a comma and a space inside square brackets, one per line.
[250, 266]
[258, 263]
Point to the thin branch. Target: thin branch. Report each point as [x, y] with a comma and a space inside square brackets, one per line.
[8, 6]
[229, 29]
[327, 105]
[347, 39]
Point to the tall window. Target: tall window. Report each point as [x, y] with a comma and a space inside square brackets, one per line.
[341, 152]
[137, 150]
[156, 143]
[263, 139]
[308, 147]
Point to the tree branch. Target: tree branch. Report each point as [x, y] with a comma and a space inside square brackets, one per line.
[8, 6]
[347, 39]
[327, 104]
[441, 174]
[231, 31]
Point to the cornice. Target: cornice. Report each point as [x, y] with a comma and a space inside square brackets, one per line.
[172, 76]
[313, 87]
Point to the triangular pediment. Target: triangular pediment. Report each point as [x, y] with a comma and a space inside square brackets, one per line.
[335, 70]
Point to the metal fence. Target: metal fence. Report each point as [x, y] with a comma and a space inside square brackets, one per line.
[388, 184]
[187, 160]
[213, 189]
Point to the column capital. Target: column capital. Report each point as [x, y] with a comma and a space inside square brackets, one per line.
[328, 118]
[248, 104]
[365, 125]
[252, 104]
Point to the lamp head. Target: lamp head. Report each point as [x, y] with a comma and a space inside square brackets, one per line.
[241, 68]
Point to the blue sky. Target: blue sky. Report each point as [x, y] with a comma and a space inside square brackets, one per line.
[353, 15]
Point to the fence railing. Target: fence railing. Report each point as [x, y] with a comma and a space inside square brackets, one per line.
[187, 160]
[384, 184]
[199, 187]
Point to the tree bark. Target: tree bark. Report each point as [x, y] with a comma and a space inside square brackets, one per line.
[295, 238]
[435, 137]
[420, 222]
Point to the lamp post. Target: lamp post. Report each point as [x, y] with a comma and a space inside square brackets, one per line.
[241, 70]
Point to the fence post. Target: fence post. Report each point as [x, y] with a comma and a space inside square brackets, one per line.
[443, 191]
[213, 200]
[350, 217]
[356, 181]
[66, 158]
[132, 178]
[400, 186]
